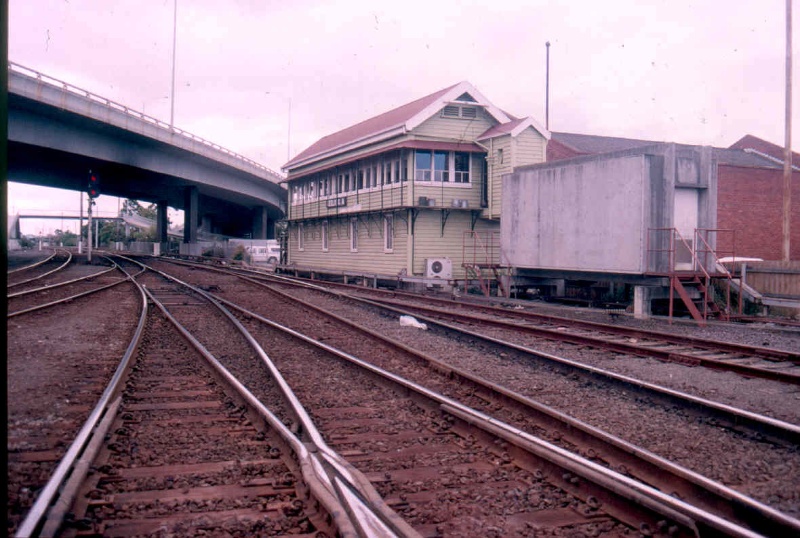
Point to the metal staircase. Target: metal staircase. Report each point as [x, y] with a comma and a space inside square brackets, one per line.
[481, 261]
[694, 272]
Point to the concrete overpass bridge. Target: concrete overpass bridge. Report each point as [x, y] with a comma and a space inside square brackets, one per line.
[58, 132]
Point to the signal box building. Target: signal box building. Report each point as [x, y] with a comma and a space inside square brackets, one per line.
[408, 195]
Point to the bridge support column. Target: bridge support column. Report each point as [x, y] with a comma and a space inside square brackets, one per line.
[162, 225]
[260, 223]
[190, 210]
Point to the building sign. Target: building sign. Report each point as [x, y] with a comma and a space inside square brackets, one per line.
[337, 202]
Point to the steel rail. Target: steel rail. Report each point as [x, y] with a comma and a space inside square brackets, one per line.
[59, 284]
[707, 493]
[643, 495]
[740, 508]
[60, 267]
[70, 298]
[66, 467]
[713, 345]
[317, 481]
[736, 417]
[31, 266]
[622, 347]
[766, 425]
[769, 426]
[366, 508]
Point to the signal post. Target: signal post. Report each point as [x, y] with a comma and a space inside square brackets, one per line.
[93, 190]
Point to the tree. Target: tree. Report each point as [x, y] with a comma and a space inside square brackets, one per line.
[133, 207]
[66, 238]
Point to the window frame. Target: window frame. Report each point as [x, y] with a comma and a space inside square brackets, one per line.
[301, 237]
[449, 174]
[354, 235]
[388, 233]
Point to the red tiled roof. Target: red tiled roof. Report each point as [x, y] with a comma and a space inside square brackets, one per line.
[501, 129]
[373, 126]
[773, 150]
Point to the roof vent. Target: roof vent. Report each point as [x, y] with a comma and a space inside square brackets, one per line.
[466, 97]
[455, 111]
[451, 111]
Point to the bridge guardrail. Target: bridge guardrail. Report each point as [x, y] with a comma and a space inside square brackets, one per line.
[52, 81]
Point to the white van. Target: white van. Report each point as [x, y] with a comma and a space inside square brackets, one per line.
[270, 252]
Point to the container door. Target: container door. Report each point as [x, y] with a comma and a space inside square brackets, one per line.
[685, 215]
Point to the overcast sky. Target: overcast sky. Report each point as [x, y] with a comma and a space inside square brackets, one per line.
[697, 72]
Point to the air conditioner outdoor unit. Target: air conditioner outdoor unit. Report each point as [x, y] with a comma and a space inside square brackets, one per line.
[460, 203]
[424, 201]
[439, 268]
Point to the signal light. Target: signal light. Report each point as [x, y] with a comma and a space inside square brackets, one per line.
[93, 188]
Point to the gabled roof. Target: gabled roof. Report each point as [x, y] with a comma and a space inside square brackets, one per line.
[394, 122]
[739, 157]
[758, 144]
[514, 128]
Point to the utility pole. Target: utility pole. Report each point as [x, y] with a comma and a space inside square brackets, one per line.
[89, 232]
[80, 228]
[174, 41]
[787, 150]
[547, 88]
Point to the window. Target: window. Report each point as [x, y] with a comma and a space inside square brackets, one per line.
[438, 166]
[397, 171]
[388, 233]
[423, 164]
[354, 235]
[387, 173]
[441, 166]
[500, 156]
[301, 237]
[324, 236]
[461, 174]
[360, 179]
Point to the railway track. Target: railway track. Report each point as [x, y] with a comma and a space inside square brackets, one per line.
[75, 282]
[167, 451]
[29, 274]
[750, 361]
[58, 364]
[606, 453]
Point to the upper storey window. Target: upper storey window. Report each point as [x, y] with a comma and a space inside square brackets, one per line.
[441, 166]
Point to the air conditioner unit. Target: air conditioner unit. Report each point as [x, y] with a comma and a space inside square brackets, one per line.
[460, 203]
[439, 268]
[424, 201]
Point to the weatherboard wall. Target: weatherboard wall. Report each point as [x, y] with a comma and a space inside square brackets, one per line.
[370, 256]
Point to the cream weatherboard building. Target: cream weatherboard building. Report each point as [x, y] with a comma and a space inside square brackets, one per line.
[398, 196]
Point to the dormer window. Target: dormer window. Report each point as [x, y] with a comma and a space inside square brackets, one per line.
[463, 112]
